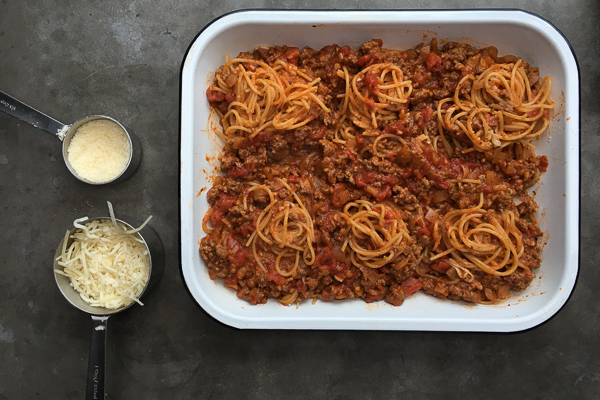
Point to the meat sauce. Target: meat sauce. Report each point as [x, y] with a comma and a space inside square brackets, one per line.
[425, 182]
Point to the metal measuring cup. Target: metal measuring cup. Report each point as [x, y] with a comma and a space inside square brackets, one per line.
[97, 359]
[65, 133]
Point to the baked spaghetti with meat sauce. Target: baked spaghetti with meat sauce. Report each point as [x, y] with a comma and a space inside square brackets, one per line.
[374, 173]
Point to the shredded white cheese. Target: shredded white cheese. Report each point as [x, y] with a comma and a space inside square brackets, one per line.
[99, 150]
[106, 263]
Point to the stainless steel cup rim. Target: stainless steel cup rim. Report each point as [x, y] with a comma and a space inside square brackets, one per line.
[73, 297]
[72, 130]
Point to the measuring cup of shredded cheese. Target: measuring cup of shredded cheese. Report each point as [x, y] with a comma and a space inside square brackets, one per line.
[103, 266]
[97, 149]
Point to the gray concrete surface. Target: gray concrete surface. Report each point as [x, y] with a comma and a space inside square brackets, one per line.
[71, 58]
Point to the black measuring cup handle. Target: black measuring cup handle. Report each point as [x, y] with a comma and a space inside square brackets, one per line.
[28, 114]
[97, 361]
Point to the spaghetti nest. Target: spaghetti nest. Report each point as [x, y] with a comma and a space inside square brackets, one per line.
[285, 230]
[502, 107]
[263, 98]
[375, 96]
[376, 236]
[479, 240]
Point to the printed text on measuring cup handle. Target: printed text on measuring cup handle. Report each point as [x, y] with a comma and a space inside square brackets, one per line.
[9, 106]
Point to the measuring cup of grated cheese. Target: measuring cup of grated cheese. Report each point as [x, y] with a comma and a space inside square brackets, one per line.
[97, 149]
[103, 266]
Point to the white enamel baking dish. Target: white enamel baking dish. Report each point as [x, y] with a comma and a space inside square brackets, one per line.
[512, 32]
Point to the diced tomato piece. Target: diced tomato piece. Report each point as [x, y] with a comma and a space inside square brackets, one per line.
[456, 170]
[487, 189]
[345, 51]
[412, 186]
[365, 59]
[247, 228]
[363, 179]
[372, 81]
[327, 262]
[220, 208]
[214, 95]
[390, 179]
[473, 166]
[421, 77]
[434, 62]
[230, 97]
[444, 185]
[340, 195]
[530, 232]
[438, 161]
[349, 154]
[427, 113]
[318, 132]
[293, 179]
[410, 286]
[395, 127]
[441, 266]
[292, 55]
[231, 282]
[235, 172]
[426, 167]
[378, 41]
[261, 137]
[358, 181]
[369, 176]
[423, 229]
[275, 277]
[389, 215]
[237, 254]
[360, 139]
[370, 102]
[384, 193]
[325, 257]
[301, 286]
[544, 163]
[391, 156]
[225, 202]
[427, 152]
[369, 59]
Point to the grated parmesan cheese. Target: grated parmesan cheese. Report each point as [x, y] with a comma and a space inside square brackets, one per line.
[99, 150]
[106, 263]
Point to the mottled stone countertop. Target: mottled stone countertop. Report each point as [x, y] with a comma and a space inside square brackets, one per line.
[123, 58]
